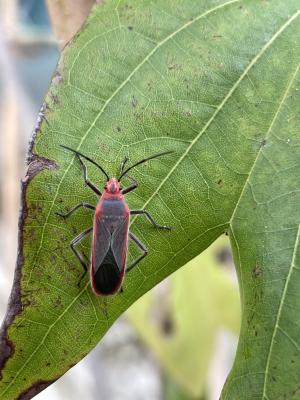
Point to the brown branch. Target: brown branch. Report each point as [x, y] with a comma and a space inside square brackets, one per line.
[67, 16]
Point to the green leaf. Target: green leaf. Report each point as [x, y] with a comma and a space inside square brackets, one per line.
[218, 83]
[180, 320]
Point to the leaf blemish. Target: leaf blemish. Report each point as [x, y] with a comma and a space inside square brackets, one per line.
[134, 102]
[57, 78]
[54, 98]
[35, 389]
[257, 271]
[7, 350]
[38, 164]
[263, 142]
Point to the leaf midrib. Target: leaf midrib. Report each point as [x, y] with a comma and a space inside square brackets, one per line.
[276, 325]
[285, 95]
[290, 83]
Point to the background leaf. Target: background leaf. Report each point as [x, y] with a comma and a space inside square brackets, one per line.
[180, 320]
[218, 82]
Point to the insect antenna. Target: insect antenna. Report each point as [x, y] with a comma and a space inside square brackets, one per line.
[143, 161]
[87, 158]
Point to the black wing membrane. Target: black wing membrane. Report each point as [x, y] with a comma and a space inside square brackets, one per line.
[109, 256]
[119, 242]
[107, 276]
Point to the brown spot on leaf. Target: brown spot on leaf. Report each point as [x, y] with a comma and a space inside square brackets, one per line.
[7, 348]
[54, 98]
[35, 164]
[36, 388]
[57, 78]
[263, 142]
[257, 271]
[134, 102]
[38, 164]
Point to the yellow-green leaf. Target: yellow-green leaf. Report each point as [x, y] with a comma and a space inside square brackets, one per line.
[181, 319]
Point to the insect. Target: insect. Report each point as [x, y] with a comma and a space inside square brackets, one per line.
[110, 228]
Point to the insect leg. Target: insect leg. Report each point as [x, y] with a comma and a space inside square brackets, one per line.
[122, 167]
[150, 218]
[131, 187]
[86, 179]
[134, 184]
[85, 205]
[80, 257]
[142, 247]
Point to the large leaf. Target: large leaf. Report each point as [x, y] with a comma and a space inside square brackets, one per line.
[218, 83]
[180, 320]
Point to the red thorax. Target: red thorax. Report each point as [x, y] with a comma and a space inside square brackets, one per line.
[113, 189]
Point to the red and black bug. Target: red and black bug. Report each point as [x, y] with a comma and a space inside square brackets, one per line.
[110, 228]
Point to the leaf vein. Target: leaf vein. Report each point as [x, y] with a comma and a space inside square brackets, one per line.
[269, 130]
[280, 308]
[221, 105]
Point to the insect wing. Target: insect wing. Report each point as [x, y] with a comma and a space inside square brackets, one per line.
[119, 243]
[101, 243]
[109, 255]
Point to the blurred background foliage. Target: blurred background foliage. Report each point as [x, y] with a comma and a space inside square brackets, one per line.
[178, 341]
[181, 318]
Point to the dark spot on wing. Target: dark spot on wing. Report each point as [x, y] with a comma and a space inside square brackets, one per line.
[107, 277]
